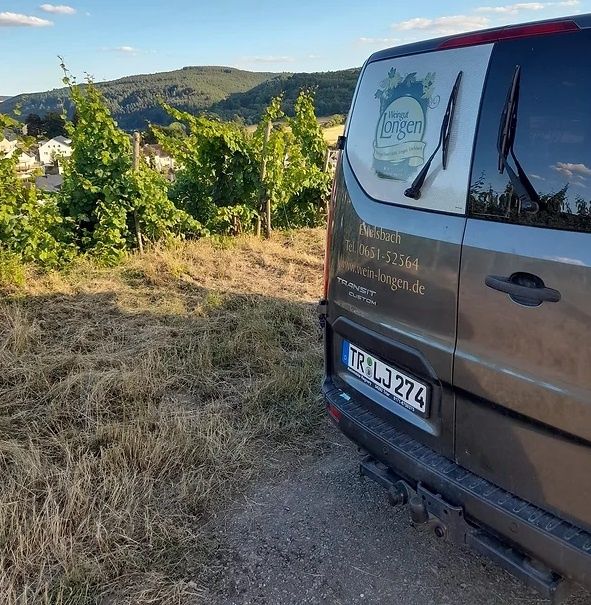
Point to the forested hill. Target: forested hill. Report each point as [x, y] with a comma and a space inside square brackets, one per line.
[3, 98]
[228, 92]
[135, 100]
[334, 91]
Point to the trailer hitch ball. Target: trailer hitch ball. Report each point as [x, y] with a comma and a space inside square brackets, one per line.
[418, 510]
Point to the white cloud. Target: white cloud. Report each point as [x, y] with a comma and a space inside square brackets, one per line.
[58, 9]
[384, 42]
[124, 50]
[420, 28]
[513, 9]
[442, 26]
[18, 20]
[269, 59]
[569, 170]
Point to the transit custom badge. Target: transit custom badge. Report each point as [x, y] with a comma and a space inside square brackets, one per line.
[399, 148]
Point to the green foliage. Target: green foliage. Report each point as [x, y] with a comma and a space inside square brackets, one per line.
[219, 169]
[295, 181]
[336, 120]
[333, 92]
[31, 227]
[158, 217]
[50, 126]
[102, 194]
[221, 181]
[307, 130]
[12, 270]
[111, 203]
[275, 154]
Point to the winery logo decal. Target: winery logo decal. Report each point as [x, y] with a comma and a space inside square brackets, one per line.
[399, 148]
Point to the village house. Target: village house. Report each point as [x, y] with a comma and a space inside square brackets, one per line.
[54, 148]
[7, 148]
[26, 162]
[158, 159]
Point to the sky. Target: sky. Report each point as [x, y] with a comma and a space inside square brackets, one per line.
[114, 38]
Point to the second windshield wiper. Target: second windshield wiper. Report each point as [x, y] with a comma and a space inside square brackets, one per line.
[414, 191]
[529, 200]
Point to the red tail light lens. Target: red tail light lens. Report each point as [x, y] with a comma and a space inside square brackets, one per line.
[334, 412]
[509, 33]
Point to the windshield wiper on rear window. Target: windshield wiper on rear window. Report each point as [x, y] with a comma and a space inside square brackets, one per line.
[529, 200]
[414, 191]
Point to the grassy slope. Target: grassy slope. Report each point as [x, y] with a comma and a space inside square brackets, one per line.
[134, 400]
[332, 133]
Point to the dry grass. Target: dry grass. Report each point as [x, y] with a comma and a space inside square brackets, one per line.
[134, 401]
[332, 133]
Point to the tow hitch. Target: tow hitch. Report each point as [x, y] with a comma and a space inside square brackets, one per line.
[447, 522]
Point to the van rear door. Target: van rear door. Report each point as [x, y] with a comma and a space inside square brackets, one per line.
[523, 363]
[394, 260]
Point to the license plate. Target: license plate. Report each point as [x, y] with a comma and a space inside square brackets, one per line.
[397, 385]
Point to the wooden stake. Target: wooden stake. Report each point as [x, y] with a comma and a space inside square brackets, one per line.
[136, 167]
[327, 160]
[267, 202]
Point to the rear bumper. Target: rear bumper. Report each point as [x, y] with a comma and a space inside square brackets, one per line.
[559, 545]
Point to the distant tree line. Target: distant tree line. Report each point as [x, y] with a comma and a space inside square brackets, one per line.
[51, 125]
[228, 93]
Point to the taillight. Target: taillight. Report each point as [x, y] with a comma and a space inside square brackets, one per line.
[334, 412]
[512, 32]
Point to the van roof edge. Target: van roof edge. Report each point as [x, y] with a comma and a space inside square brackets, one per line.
[486, 36]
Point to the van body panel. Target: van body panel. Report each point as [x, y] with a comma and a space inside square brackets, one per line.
[535, 361]
[394, 270]
[544, 467]
[523, 369]
[414, 306]
[530, 366]
[409, 306]
[478, 287]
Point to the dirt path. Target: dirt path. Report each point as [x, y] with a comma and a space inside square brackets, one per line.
[325, 535]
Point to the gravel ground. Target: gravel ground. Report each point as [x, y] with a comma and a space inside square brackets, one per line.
[323, 534]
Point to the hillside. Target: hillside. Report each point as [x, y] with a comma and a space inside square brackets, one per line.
[225, 91]
[134, 100]
[334, 91]
[3, 98]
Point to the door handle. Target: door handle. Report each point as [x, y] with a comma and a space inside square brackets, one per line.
[523, 288]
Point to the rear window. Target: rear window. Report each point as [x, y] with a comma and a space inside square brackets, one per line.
[396, 122]
[552, 133]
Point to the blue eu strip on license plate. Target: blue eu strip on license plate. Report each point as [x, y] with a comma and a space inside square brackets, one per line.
[392, 382]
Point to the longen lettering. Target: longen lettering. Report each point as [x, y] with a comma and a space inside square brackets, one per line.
[400, 128]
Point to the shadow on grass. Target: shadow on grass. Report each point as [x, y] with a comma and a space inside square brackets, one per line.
[127, 419]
